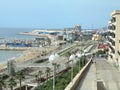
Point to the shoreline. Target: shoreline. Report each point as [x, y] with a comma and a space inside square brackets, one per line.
[14, 48]
[28, 55]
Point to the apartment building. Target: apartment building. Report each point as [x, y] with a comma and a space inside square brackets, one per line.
[114, 38]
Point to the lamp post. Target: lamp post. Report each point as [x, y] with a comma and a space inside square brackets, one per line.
[79, 56]
[72, 57]
[52, 60]
[80, 52]
[72, 71]
[53, 75]
[84, 59]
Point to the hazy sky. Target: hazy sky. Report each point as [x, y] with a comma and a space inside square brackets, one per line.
[56, 13]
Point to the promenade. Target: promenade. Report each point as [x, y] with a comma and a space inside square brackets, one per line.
[101, 76]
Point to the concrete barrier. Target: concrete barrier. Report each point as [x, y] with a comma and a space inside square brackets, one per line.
[72, 85]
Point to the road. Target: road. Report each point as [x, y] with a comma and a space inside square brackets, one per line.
[101, 76]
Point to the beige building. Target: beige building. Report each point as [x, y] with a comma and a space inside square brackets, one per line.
[97, 37]
[114, 38]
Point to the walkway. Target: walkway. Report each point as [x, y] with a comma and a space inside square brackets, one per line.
[89, 83]
[101, 76]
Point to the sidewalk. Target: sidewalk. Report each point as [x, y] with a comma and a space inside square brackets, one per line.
[108, 75]
[101, 76]
[89, 82]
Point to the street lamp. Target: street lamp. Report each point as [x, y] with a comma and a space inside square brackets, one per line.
[79, 56]
[53, 60]
[72, 57]
[84, 58]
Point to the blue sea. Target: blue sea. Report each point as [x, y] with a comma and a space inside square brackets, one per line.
[12, 33]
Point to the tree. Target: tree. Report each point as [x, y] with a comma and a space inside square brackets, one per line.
[37, 78]
[20, 76]
[58, 67]
[67, 55]
[2, 83]
[40, 75]
[48, 40]
[11, 82]
[48, 70]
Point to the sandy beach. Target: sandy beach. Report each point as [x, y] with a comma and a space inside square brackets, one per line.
[30, 54]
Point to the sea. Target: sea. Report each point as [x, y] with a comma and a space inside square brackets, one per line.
[12, 33]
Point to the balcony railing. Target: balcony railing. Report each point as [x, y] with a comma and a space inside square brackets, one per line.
[112, 49]
[111, 34]
[118, 52]
[111, 27]
[113, 19]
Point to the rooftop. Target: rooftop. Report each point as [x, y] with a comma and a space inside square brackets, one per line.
[115, 12]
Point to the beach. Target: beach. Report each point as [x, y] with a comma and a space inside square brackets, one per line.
[29, 55]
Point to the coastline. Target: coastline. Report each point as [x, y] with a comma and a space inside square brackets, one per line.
[28, 55]
[14, 48]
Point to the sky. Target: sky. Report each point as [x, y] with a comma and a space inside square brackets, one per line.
[56, 13]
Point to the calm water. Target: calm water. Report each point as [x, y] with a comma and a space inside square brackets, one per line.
[6, 55]
[12, 33]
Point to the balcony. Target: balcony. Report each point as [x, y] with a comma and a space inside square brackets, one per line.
[111, 40]
[113, 43]
[113, 20]
[118, 52]
[112, 34]
[111, 27]
[112, 49]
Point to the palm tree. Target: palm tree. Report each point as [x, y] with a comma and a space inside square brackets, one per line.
[58, 67]
[20, 76]
[11, 82]
[2, 83]
[37, 78]
[67, 55]
[40, 74]
[48, 40]
[48, 70]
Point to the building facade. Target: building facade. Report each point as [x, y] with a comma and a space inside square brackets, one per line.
[114, 38]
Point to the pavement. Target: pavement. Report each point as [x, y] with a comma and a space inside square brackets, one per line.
[101, 76]
[89, 82]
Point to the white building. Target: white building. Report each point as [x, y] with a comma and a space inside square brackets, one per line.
[114, 38]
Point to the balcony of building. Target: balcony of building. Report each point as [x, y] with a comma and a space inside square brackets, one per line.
[118, 52]
[111, 27]
[111, 35]
[119, 39]
[114, 31]
[113, 20]
[112, 48]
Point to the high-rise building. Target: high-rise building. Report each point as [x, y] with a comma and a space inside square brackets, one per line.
[114, 38]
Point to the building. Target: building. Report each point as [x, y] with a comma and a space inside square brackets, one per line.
[114, 38]
[77, 28]
[97, 37]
